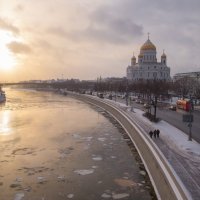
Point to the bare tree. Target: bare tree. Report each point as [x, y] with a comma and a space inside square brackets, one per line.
[184, 86]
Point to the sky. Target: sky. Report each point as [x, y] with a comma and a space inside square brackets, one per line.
[86, 39]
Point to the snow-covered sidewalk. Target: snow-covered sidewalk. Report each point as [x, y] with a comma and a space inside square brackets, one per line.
[182, 155]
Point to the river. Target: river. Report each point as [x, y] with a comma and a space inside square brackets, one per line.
[54, 147]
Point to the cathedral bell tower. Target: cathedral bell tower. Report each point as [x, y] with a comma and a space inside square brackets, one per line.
[164, 58]
[133, 60]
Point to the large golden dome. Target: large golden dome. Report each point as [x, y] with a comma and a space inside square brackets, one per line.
[148, 45]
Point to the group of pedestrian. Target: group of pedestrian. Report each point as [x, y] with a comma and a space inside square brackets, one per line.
[154, 133]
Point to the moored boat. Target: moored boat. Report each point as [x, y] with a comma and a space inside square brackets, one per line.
[2, 95]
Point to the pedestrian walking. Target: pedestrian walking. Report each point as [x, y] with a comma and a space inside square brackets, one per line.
[157, 133]
[150, 134]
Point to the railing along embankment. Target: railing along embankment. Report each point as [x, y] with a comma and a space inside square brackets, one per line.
[166, 184]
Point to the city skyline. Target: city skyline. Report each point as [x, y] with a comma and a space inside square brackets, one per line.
[87, 39]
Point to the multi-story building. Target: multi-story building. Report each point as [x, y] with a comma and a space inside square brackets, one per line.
[147, 67]
[192, 75]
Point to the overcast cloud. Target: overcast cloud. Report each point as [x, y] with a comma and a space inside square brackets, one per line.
[88, 38]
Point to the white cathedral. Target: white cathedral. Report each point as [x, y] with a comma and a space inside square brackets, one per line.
[147, 67]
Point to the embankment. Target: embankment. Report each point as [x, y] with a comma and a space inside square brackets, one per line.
[166, 184]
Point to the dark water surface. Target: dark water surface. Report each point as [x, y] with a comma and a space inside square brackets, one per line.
[53, 147]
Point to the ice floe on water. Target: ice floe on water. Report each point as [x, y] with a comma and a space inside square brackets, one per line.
[99, 182]
[94, 167]
[88, 139]
[41, 179]
[106, 196]
[75, 135]
[70, 196]
[102, 139]
[19, 179]
[84, 171]
[120, 196]
[19, 196]
[16, 183]
[97, 158]
[113, 157]
[61, 178]
[65, 152]
[125, 183]
[143, 173]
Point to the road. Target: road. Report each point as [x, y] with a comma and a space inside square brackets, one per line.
[174, 118]
[185, 164]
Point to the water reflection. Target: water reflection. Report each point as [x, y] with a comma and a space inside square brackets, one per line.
[59, 148]
[5, 128]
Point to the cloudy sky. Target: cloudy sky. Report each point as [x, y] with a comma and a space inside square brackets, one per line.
[85, 39]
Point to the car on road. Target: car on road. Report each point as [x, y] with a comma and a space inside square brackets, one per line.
[147, 106]
[172, 107]
[137, 101]
[141, 102]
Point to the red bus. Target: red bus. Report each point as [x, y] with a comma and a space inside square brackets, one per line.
[183, 104]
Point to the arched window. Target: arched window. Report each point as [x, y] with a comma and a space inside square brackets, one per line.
[155, 74]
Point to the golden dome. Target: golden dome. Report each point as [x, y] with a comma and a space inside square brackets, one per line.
[133, 58]
[140, 55]
[148, 45]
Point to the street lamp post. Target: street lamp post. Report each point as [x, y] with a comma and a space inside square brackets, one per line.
[127, 93]
[155, 106]
[190, 122]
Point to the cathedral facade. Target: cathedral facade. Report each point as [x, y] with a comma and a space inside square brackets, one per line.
[147, 67]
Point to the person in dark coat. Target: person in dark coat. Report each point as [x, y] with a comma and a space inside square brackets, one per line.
[157, 133]
[150, 134]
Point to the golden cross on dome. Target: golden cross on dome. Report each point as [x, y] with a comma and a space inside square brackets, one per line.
[148, 35]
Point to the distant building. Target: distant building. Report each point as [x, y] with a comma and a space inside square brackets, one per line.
[193, 75]
[147, 67]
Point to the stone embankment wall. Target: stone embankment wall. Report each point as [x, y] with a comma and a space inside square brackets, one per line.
[163, 178]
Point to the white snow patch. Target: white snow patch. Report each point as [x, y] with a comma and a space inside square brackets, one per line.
[84, 171]
[174, 137]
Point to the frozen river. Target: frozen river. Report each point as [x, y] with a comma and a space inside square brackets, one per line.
[53, 147]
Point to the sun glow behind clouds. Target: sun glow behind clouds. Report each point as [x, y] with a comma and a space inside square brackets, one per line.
[7, 59]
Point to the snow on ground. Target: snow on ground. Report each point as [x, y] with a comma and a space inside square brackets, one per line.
[173, 136]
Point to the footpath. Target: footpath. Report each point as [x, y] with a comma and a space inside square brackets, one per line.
[182, 155]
